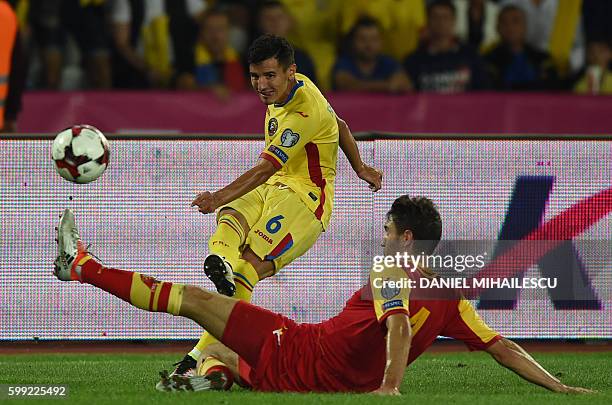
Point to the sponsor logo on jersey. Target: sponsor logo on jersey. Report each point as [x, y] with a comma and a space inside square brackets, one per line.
[278, 153]
[264, 236]
[392, 304]
[289, 138]
[279, 333]
[272, 126]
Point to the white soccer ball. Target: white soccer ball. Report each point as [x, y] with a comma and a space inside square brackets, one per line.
[80, 153]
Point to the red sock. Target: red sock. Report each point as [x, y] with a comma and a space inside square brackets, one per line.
[228, 378]
[139, 290]
[115, 281]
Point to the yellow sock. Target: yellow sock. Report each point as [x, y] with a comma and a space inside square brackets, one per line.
[245, 277]
[138, 289]
[227, 239]
[157, 296]
[205, 340]
[225, 242]
[209, 363]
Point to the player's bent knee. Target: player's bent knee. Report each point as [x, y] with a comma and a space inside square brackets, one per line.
[193, 297]
[264, 268]
[237, 215]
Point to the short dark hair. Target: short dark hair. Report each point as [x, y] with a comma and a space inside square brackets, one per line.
[510, 7]
[272, 4]
[271, 46]
[421, 217]
[362, 22]
[213, 12]
[441, 3]
[349, 38]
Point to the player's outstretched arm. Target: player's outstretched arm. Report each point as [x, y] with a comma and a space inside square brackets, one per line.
[512, 356]
[208, 202]
[348, 145]
[399, 336]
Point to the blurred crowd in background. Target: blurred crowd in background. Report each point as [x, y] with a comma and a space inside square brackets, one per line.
[389, 46]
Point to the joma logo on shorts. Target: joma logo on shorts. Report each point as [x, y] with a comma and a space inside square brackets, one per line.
[264, 236]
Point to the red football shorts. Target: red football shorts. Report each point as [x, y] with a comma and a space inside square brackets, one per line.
[248, 330]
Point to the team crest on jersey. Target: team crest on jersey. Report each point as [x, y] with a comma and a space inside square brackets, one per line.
[388, 292]
[289, 138]
[272, 126]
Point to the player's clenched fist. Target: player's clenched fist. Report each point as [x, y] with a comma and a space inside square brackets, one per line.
[206, 202]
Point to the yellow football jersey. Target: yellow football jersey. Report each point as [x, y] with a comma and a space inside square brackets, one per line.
[302, 142]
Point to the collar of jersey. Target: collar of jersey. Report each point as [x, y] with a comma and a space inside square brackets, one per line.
[299, 84]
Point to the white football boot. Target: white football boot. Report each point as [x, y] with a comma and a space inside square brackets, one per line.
[209, 382]
[184, 368]
[70, 249]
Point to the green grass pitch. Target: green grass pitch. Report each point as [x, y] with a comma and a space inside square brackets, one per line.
[440, 378]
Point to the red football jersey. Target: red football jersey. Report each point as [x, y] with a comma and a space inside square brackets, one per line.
[348, 351]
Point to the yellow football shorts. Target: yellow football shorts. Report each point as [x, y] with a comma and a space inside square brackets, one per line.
[282, 227]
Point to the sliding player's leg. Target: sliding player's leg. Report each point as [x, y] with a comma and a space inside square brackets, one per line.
[224, 317]
[75, 263]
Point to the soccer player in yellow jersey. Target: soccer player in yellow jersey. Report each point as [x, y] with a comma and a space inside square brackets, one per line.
[274, 212]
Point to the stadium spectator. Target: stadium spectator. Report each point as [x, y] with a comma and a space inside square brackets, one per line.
[442, 63]
[401, 22]
[597, 15]
[16, 77]
[363, 67]
[476, 21]
[273, 18]
[217, 65]
[514, 64]
[597, 78]
[555, 26]
[144, 55]
[184, 24]
[315, 32]
[16, 84]
[52, 20]
[8, 34]
[240, 13]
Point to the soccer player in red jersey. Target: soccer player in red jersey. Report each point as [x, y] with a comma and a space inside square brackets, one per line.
[365, 348]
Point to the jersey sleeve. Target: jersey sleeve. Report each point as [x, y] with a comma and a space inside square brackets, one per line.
[294, 132]
[390, 292]
[469, 327]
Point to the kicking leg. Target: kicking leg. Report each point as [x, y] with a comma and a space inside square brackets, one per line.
[224, 250]
[231, 274]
